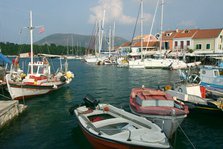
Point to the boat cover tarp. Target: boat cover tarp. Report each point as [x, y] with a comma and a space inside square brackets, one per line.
[5, 59]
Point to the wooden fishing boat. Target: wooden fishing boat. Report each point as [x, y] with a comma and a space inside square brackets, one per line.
[39, 79]
[158, 107]
[39, 82]
[106, 126]
[194, 96]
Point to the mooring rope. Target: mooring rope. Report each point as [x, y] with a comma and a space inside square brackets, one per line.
[187, 137]
[5, 96]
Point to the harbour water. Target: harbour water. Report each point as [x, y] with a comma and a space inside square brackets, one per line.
[48, 124]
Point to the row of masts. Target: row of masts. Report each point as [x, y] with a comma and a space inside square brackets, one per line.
[99, 35]
[141, 27]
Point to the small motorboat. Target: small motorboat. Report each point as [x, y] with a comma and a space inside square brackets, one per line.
[212, 79]
[194, 96]
[191, 91]
[106, 126]
[159, 107]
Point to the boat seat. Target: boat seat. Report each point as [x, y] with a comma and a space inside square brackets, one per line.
[109, 121]
[117, 128]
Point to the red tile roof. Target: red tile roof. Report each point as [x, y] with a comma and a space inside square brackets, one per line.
[207, 33]
[168, 35]
[187, 33]
[125, 44]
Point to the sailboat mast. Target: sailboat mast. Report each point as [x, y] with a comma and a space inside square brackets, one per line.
[161, 25]
[72, 44]
[101, 32]
[141, 28]
[31, 40]
[110, 41]
[113, 37]
[96, 38]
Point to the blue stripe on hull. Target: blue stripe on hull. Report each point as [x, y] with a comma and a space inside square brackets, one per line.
[212, 86]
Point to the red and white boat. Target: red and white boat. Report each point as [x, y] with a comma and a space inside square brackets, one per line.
[39, 79]
[158, 107]
[106, 126]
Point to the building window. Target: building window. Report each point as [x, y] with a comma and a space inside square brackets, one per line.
[181, 44]
[198, 46]
[208, 46]
[175, 44]
[186, 31]
[168, 34]
[166, 45]
[188, 43]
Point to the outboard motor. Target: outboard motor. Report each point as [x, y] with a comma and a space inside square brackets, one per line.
[90, 101]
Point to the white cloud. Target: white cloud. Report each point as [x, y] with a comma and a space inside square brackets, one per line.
[114, 11]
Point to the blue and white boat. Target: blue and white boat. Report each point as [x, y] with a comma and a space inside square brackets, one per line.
[212, 79]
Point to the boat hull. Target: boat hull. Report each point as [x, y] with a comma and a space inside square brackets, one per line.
[194, 101]
[168, 124]
[157, 63]
[215, 89]
[91, 60]
[138, 64]
[104, 129]
[102, 143]
[21, 91]
[158, 107]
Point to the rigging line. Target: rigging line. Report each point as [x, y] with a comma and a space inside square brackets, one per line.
[186, 136]
[152, 23]
[92, 39]
[135, 25]
[51, 60]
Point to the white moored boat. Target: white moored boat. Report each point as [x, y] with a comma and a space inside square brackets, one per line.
[157, 63]
[106, 126]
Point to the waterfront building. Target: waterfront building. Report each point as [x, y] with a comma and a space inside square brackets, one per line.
[178, 42]
[208, 41]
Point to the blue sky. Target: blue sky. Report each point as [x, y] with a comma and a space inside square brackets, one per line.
[78, 16]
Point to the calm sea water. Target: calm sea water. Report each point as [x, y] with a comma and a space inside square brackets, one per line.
[47, 124]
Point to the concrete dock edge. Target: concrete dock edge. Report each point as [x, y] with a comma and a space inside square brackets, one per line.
[9, 110]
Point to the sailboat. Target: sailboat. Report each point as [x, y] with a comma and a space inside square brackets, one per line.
[110, 58]
[39, 79]
[89, 58]
[97, 58]
[137, 61]
[161, 61]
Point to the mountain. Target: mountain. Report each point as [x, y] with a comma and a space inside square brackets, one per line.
[78, 40]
